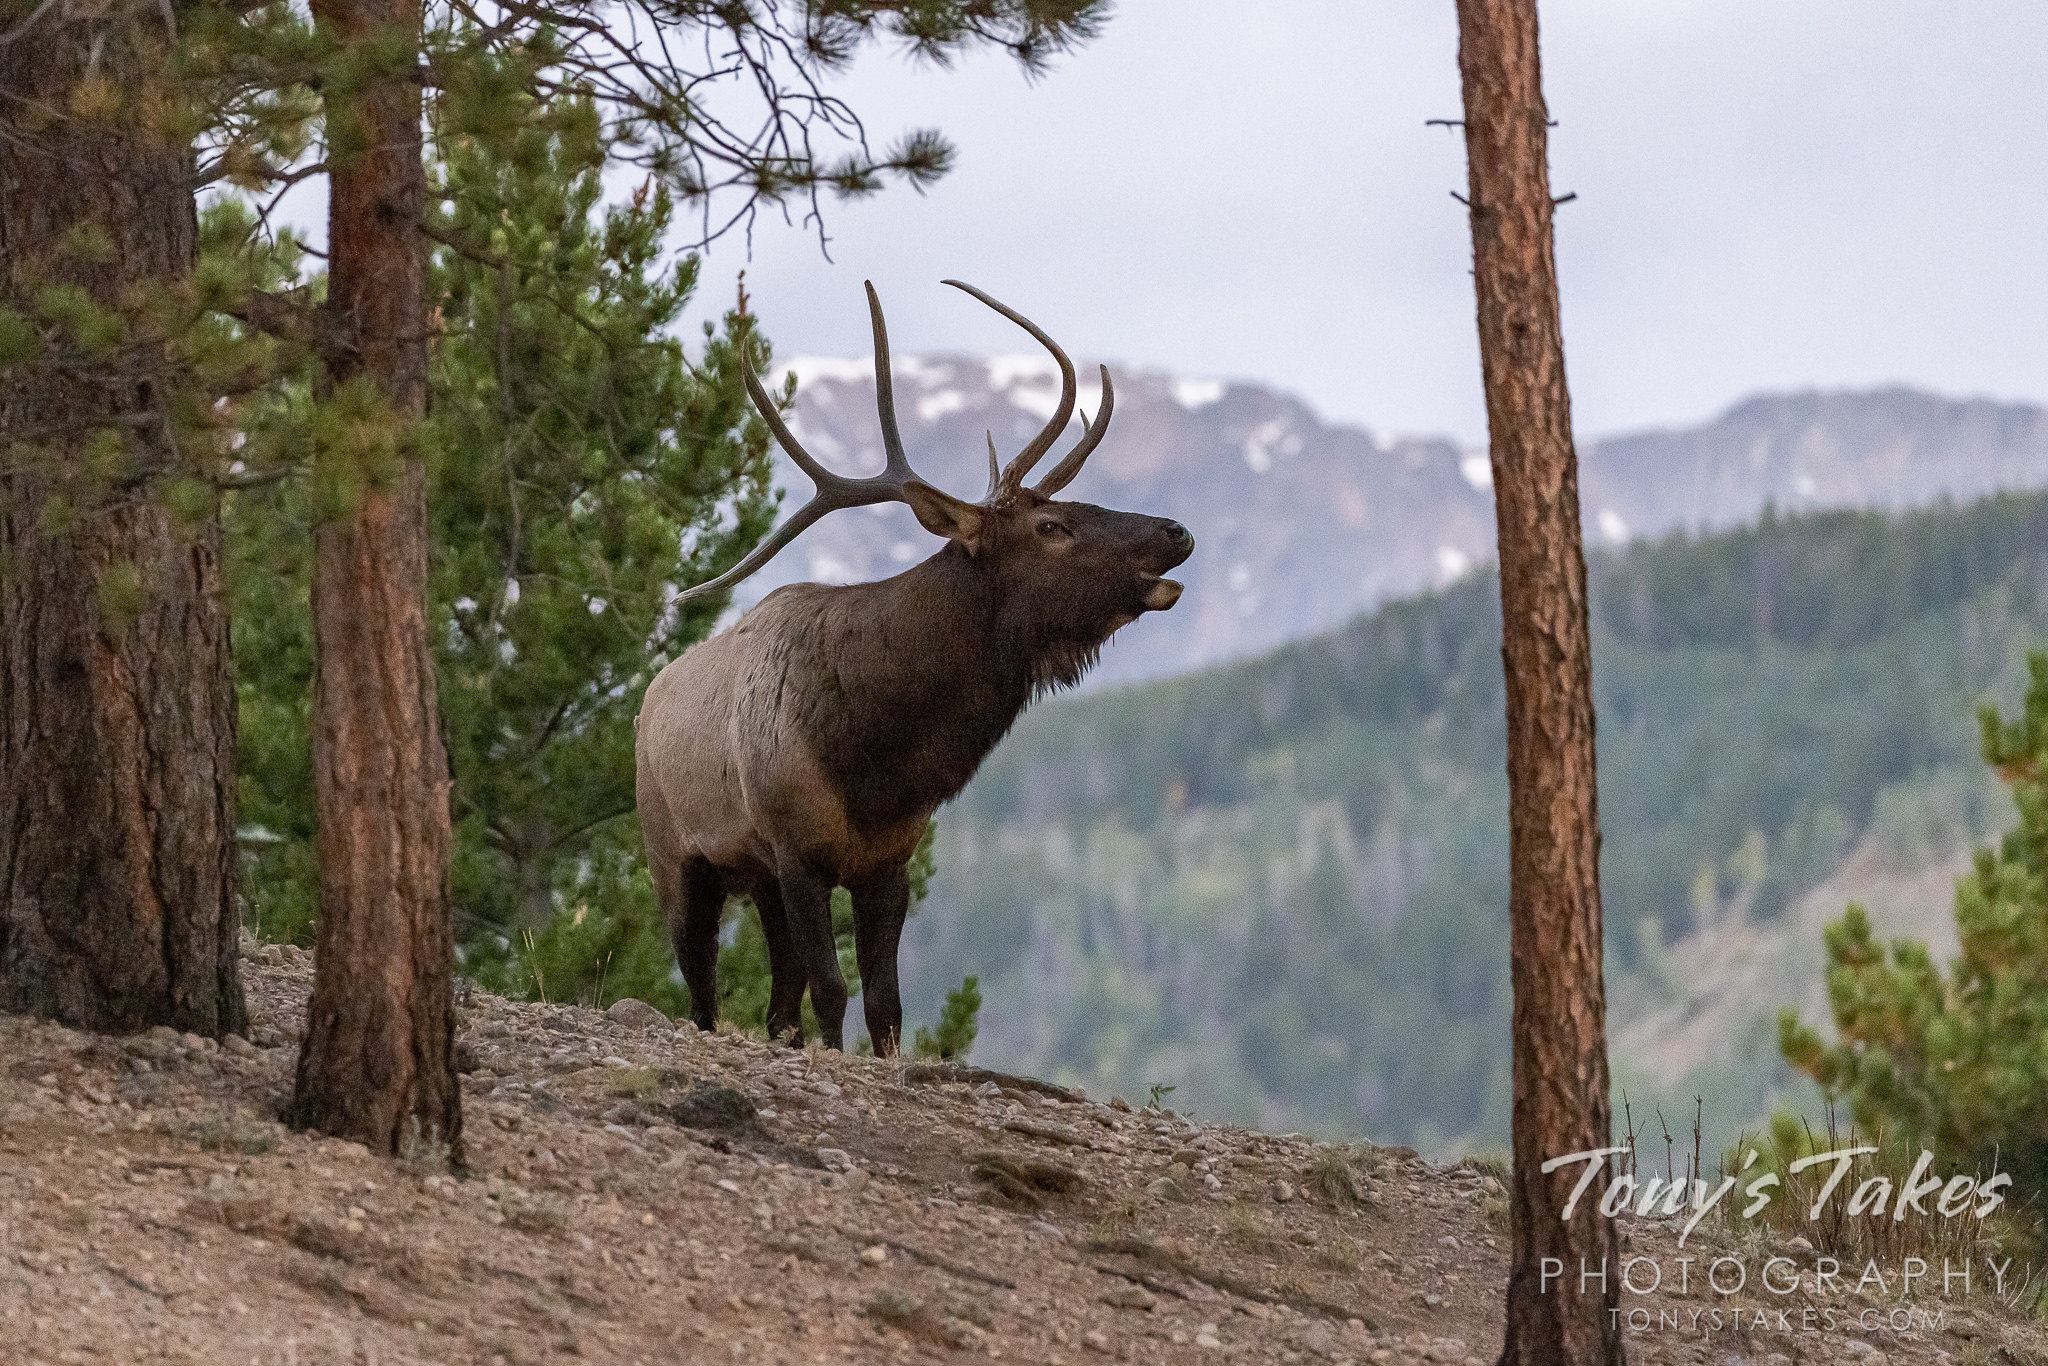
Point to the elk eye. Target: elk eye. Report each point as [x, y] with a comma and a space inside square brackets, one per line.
[1051, 529]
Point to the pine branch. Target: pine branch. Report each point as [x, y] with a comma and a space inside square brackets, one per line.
[292, 316]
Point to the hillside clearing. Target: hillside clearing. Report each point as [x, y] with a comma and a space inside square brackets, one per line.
[637, 1192]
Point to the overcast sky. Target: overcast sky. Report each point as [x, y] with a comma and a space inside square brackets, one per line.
[1771, 195]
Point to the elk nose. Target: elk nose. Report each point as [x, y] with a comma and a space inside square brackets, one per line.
[1176, 533]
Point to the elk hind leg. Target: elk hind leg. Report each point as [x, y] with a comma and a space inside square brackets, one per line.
[880, 905]
[693, 897]
[807, 911]
[785, 969]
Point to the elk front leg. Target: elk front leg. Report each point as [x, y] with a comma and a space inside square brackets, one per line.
[785, 970]
[807, 911]
[880, 905]
[693, 897]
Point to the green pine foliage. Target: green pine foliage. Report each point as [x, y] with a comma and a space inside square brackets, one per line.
[583, 470]
[1956, 1060]
[959, 1022]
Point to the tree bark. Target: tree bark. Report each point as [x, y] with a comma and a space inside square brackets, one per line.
[1560, 1044]
[377, 1064]
[117, 708]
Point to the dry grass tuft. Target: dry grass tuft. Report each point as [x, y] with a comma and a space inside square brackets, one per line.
[228, 1132]
[635, 1083]
[540, 1214]
[1334, 1176]
[1340, 1253]
[908, 1314]
[1495, 1165]
[1251, 1229]
[1120, 1220]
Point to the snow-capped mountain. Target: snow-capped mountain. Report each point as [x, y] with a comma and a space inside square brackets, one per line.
[1300, 524]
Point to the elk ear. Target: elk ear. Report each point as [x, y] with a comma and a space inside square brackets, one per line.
[942, 514]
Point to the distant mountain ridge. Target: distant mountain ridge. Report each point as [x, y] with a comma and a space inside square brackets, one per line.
[1302, 524]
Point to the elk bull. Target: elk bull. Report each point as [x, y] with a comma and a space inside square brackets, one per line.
[806, 747]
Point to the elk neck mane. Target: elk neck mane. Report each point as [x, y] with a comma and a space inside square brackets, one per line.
[925, 673]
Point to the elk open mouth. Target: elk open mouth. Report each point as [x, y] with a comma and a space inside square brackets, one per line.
[1160, 593]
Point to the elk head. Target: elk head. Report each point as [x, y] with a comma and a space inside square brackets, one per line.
[1061, 576]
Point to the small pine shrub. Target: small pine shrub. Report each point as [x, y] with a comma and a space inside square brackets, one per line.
[959, 1022]
[1952, 1060]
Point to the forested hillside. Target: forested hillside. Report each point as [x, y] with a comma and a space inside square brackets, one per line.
[1281, 886]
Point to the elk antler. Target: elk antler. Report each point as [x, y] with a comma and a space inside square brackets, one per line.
[1062, 474]
[1004, 488]
[835, 491]
[1014, 472]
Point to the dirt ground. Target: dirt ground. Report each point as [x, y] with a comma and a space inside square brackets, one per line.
[635, 1192]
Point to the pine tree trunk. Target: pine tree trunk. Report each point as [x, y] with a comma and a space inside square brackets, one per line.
[377, 1063]
[117, 709]
[1560, 1040]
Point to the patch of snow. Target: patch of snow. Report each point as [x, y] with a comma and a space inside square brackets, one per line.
[1004, 371]
[1087, 398]
[1612, 526]
[810, 369]
[1477, 468]
[1193, 394]
[923, 372]
[597, 606]
[937, 404]
[1040, 403]
[816, 440]
[511, 590]
[1266, 438]
[1452, 562]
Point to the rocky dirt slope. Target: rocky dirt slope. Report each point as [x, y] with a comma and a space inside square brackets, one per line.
[636, 1192]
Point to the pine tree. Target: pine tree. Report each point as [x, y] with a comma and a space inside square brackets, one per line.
[1560, 1038]
[117, 724]
[958, 1024]
[1958, 1060]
